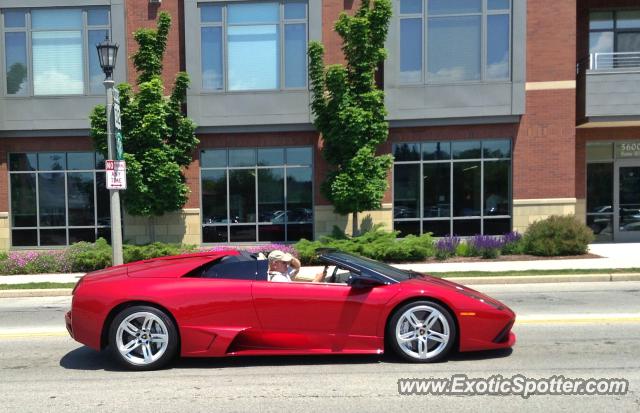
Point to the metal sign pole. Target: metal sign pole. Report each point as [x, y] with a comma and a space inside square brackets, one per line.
[114, 195]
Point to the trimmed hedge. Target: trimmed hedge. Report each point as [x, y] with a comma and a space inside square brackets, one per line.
[376, 244]
[556, 235]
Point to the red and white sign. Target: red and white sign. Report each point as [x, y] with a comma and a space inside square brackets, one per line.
[116, 174]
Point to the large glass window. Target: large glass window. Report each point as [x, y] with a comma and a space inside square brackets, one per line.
[52, 51]
[615, 37]
[57, 198]
[465, 40]
[263, 194]
[600, 205]
[254, 46]
[452, 187]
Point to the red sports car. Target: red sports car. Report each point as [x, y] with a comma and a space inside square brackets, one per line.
[216, 304]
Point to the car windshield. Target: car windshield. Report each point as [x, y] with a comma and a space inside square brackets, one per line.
[372, 265]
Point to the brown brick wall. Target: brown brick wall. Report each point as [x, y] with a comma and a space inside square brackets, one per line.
[544, 153]
[543, 144]
[139, 13]
[331, 9]
[551, 40]
[33, 145]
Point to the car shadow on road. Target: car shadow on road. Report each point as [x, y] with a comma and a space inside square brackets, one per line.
[84, 358]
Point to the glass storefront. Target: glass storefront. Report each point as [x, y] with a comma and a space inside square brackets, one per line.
[613, 190]
[452, 187]
[251, 195]
[57, 198]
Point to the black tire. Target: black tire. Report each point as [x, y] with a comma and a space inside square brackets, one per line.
[160, 352]
[439, 326]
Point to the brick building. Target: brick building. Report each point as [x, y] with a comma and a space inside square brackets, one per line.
[501, 112]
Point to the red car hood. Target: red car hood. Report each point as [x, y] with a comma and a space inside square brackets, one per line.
[452, 286]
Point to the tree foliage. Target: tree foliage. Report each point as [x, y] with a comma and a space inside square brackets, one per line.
[158, 138]
[16, 77]
[349, 110]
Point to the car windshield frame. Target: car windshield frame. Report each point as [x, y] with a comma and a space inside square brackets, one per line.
[365, 265]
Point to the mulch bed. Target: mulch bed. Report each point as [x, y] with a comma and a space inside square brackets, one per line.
[518, 257]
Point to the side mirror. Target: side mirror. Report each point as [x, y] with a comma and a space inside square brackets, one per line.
[359, 281]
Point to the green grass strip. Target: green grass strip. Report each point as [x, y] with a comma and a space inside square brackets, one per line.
[34, 286]
[534, 272]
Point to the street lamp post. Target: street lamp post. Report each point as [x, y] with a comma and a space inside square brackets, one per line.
[107, 53]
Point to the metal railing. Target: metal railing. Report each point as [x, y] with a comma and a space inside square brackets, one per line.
[614, 61]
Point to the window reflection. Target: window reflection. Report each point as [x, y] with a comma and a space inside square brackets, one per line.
[57, 198]
[280, 178]
[454, 181]
[466, 189]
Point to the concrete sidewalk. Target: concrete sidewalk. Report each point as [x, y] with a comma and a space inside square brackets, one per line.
[613, 256]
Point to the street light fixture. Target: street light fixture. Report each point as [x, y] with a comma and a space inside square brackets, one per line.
[107, 53]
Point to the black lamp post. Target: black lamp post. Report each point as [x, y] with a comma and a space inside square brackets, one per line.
[107, 53]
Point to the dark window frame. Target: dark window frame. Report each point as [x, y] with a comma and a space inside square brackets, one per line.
[224, 25]
[95, 171]
[421, 219]
[257, 224]
[28, 30]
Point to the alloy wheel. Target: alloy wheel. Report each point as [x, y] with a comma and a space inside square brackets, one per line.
[422, 332]
[142, 338]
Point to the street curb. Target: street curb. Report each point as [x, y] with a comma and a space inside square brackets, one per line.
[518, 279]
[44, 292]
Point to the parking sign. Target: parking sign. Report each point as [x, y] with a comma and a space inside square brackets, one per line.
[116, 174]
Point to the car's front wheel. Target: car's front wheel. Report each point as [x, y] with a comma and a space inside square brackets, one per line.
[143, 338]
[422, 331]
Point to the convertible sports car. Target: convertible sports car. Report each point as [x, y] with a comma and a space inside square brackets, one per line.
[217, 304]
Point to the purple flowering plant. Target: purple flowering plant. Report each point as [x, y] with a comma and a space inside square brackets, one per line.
[35, 262]
[487, 246]
[446, 247]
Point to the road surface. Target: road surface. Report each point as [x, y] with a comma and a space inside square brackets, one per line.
[578, 330]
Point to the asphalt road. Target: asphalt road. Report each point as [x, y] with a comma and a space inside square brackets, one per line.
[578, 330]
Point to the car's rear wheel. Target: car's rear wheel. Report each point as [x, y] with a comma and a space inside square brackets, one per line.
[143, 338]
[422, 331]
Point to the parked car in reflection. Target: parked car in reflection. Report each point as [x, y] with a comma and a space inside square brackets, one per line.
[292, 215]
[404, 212]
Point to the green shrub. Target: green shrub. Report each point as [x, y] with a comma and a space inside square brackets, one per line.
[557, 235]
[3, 255]
[464, 249]
[376, 244]
[157, 249]
[512, 243]
[86, 256]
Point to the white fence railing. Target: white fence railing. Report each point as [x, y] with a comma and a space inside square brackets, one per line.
[613, 61]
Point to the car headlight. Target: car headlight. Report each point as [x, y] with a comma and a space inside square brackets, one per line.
[475, 296]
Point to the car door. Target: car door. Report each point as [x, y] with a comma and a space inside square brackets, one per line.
[215, 308]
[321, 317]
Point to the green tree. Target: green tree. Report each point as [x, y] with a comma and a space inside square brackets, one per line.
[16, 76]
[349, 111]
[158, 138]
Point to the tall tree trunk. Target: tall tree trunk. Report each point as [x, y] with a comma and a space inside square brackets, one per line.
[354, 227]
